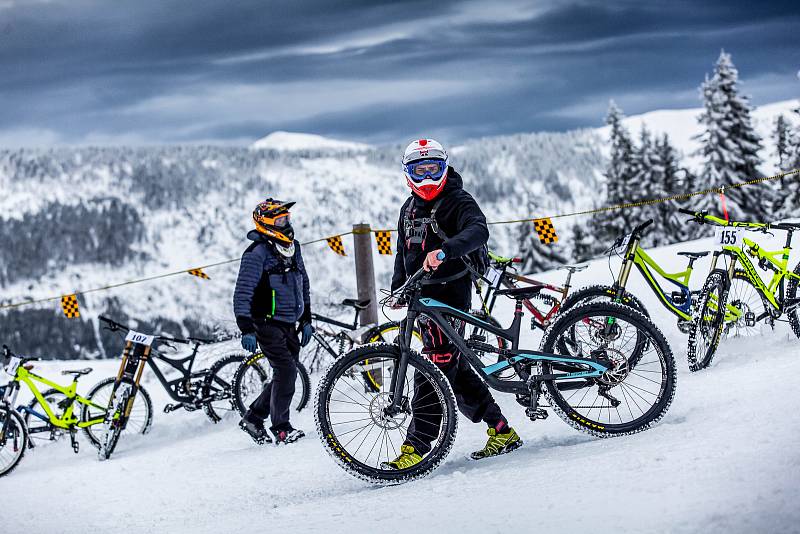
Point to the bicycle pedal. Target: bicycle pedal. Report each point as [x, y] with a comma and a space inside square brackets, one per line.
[477, 337]
[172, 407]
[535, 414]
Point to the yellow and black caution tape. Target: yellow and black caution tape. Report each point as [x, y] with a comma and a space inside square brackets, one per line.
[335, 242]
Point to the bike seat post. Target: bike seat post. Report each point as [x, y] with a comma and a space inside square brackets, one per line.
[517, 323]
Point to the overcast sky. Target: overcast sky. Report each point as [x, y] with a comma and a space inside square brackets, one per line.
[189, 71]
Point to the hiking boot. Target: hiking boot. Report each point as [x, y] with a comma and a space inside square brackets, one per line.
[255, 428]
[499, 443]
[287, 435]
[408, 458]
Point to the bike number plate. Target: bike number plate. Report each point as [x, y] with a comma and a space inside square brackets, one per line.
[728, 237]
[625, 242]
[139, 338]
[493, 276]
[11, 369]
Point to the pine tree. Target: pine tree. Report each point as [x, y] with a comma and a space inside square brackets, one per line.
[674, 180]
[644, 184]
[583, 243]
[612, 223]
[789, 194]
[783, 140]
[730, 146]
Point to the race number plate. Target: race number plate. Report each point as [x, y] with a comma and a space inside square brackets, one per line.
[493, 276]
[728, 237]
[139, 338]
[625, 242]
[13, 363]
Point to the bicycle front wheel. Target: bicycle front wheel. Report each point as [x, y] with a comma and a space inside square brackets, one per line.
[359, 433]
[218, 388]
[93, 414]
[709, 320]
[639, 386]
[791, 296]
[13, 439]
[255, 373]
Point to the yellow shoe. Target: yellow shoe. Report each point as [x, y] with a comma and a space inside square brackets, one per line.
[499, 443]
[408, 458]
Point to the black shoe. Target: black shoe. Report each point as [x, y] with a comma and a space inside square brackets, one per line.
[287, 435]
[255, 428]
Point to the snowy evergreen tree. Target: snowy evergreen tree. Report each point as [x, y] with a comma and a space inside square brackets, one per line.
[783, 140]
[730, 147]
[643, 183]
[582, 241]
[619, 172]
[674, 180]
[789, 194]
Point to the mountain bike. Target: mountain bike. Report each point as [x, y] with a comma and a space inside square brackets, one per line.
[54, 412]
[770, 301]
[592, 386]
[681, 301]
[255, 373]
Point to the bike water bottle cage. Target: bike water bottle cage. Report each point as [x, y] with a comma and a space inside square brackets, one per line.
[426, 169]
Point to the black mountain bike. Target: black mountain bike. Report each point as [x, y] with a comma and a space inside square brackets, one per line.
[331, 338]
[599, 380]
[209, 389]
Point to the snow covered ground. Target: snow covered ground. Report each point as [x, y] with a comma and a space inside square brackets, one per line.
[724, 459]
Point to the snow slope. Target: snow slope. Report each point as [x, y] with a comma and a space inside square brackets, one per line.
[724, 459]
[301, 141]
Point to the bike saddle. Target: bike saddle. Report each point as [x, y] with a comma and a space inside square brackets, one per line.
[693, 255]
[78, 372]
[520, 292]
[574, 268]
[357, 304]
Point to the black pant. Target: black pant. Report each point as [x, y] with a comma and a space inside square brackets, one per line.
[472, 395]
[281, 346]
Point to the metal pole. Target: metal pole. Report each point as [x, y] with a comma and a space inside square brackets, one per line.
[365, 272]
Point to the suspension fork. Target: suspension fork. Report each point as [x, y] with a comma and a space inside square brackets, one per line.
[400, 370]
[625, 270]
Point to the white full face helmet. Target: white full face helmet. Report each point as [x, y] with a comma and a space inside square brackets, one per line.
[425, 166]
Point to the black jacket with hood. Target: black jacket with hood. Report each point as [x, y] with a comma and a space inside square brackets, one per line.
[458, 217]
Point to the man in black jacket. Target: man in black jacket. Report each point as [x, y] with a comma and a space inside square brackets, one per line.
[437, 187]
[272, 294]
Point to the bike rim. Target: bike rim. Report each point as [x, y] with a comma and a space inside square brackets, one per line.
[14, 446]
[638, 378]
[360, 427]
[137, 422]
[709, 324]
[222, 386]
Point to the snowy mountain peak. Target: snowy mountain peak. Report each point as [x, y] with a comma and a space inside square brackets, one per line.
[290, 141]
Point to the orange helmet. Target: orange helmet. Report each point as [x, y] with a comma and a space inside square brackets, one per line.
[272, 219]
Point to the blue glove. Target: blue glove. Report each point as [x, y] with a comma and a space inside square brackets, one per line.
[249, 343]
[306, 330]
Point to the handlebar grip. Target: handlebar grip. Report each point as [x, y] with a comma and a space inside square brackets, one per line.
[687, 212]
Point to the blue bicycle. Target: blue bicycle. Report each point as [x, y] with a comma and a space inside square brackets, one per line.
[602, 367]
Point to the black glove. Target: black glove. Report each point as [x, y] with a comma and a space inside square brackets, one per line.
[305, 330]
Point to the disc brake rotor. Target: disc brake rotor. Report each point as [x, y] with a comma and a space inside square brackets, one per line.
[619, 368]
[377, 411]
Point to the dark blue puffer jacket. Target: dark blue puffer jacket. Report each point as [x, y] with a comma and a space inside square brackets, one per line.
[270, 286]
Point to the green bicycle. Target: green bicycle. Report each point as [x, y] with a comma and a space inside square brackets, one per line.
[771, 300]
[52, 413]
[681, 301]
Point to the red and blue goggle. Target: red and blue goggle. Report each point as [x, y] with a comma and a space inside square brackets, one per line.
[426, 169]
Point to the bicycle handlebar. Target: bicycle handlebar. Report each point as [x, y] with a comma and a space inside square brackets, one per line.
[639, 229]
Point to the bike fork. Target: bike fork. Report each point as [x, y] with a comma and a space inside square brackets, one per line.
[399, 374]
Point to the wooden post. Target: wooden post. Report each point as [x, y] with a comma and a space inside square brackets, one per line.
[365, 272]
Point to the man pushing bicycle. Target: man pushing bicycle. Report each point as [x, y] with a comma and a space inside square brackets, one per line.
[440, 223]
[272, 295]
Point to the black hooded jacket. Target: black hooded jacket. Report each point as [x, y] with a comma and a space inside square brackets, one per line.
[458, 217]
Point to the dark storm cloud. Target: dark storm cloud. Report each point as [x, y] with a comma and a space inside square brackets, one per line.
[190, 71]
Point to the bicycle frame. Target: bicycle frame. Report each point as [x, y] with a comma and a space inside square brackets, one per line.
[778, 261]
[540, 319]
[438, 312]
[68, 419]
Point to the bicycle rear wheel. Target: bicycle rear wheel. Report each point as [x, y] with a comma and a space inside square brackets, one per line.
[255, 373]
[709, 320]
[358, 433]
[218, 388]
[13, 441]
[114, 421]
[640, 385]
[40, 431]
